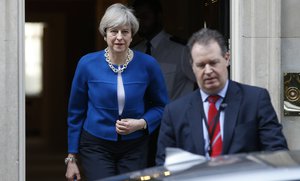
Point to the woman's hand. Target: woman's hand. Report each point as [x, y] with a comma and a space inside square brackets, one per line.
[72, 171]
[127, 126]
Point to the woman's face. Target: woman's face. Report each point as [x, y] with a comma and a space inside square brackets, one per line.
[118, 38]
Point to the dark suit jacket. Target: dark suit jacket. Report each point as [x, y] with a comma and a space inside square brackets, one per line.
[250, 123]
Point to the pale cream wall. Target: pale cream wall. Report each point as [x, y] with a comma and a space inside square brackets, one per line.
[265, 44]
[12, 123]
[290, 53]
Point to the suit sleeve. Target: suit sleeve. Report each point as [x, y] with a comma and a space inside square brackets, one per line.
[270, 130]
[166, 137]
[77, 107]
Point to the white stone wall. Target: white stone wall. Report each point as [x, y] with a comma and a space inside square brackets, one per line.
[12, 129]
[265, 44]
[255, 34]
[290, 53]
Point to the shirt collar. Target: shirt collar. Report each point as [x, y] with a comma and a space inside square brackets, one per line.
[222, 93]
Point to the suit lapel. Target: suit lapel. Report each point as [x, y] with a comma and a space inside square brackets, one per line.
[233, 100]
[195, 118]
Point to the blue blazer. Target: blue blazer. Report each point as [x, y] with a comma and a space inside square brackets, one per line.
[93, 102]
[250, 123]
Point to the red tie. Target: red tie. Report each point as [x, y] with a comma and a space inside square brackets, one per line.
[215, 134]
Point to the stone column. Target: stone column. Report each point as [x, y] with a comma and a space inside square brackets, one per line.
[12, 121]
[256, 43]
[290, 61]
[265, 44]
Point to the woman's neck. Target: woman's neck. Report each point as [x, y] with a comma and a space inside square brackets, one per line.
[118, 58]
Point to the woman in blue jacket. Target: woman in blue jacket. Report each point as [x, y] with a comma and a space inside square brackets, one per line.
[117, 99]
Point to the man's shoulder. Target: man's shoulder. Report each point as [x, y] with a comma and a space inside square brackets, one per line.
[183, 100]
[174, 42]
[247, 86]
[178, 40]
[248, 90]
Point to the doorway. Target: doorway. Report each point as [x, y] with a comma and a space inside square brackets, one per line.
[70, 32]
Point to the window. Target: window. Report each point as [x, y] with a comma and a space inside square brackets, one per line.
[34, 33]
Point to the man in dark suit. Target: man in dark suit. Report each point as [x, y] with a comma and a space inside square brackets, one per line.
[245, 116]
[169, 51]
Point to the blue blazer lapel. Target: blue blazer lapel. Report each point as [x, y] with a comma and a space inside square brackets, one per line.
[194, 118]
[233, 100]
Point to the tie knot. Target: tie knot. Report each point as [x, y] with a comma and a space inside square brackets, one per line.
[213, 98]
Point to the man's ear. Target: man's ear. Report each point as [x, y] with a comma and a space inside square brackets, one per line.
[227, 58]
[105, 38]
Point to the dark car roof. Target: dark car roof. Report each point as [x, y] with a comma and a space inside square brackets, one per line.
[266, 166]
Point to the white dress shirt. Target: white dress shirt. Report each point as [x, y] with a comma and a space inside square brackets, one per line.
[174, 63]
[204, 96]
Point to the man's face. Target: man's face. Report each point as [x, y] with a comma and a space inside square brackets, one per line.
[210, 67]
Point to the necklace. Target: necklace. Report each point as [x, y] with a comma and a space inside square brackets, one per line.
[124, 66]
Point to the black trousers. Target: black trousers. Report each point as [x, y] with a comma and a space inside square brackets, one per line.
[152, 149]
[101, 158]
